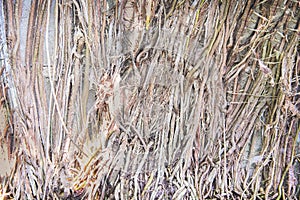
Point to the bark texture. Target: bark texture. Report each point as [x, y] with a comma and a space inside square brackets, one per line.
[151, 99]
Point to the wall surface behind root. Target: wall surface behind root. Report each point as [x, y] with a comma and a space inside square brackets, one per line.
[6, 164]
[153, 99]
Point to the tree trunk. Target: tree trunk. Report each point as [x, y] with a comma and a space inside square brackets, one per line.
[151, 99]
